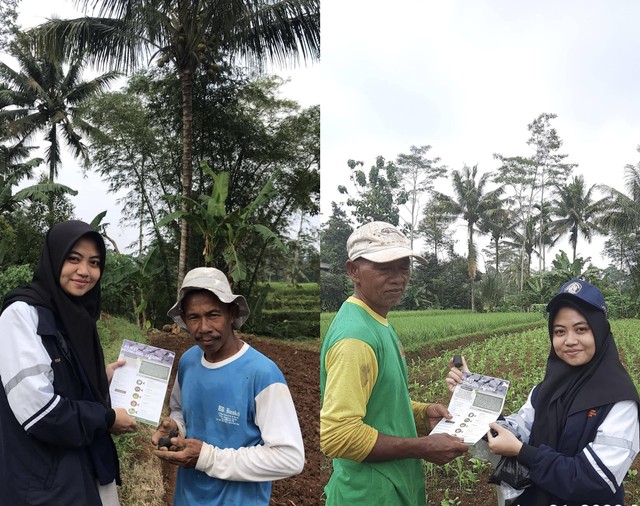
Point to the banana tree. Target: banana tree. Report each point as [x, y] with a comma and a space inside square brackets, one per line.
[223, 232]
[131, 277]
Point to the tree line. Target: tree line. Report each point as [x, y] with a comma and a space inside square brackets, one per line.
[216, 167]
[524, 207]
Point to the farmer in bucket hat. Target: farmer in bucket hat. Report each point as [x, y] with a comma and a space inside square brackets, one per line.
[368, 423]
[236, 425]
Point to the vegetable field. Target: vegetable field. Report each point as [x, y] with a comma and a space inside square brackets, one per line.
[418, 329]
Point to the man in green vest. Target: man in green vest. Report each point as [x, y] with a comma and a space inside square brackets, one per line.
[374, 432]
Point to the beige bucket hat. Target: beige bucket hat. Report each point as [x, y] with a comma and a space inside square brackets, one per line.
[214, 280]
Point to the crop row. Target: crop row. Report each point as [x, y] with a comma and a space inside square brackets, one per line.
[418, 329]
[517, 357]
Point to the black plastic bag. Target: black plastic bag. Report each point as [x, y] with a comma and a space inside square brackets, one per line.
[512, 472]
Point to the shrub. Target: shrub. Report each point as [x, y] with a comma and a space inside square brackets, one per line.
[13, 277]
[622, 306]
[333, 291]
[539, 308]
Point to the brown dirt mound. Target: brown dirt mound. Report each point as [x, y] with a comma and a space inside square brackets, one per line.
[300, 367]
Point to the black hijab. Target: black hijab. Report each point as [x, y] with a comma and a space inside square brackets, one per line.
[569, 389]
[76, 315]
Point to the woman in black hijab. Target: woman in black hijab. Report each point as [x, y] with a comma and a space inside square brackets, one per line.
[55, 413]
[579, 428]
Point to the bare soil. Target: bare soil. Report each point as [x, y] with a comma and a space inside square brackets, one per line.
[301, 369]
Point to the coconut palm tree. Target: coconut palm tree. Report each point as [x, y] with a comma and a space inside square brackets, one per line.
[496, 222]
[576, 212]
[522, 240]
[621, 213]
[190, 34]
[12, 165]
[471, 202]
[44, 96]
[12, 171]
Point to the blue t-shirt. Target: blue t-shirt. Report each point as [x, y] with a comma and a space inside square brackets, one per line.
[218, 406]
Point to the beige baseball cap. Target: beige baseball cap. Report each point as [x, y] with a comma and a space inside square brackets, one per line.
[214, 280]
[379, 242]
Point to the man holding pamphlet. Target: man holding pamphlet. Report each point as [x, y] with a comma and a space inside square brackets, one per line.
[375, 434]
[233, 427]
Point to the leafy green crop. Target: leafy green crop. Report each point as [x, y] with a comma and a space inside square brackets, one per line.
[418, 329]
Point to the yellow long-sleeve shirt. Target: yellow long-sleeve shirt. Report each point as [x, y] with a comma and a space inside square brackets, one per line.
[352, 371]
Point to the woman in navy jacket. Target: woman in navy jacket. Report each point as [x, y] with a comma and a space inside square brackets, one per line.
[579, 427]
[55, 413]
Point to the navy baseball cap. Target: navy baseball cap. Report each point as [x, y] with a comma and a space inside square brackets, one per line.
[580, 290]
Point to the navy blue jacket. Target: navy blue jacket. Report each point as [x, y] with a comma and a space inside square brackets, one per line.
[562, 470]
[58, 460]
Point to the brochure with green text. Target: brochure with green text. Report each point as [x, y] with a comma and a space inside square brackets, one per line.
[140, 386]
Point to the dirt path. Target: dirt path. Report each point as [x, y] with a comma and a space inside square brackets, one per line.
[301, 370]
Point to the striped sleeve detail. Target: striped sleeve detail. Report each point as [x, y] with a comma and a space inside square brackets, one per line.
[25, 365]
[41, 414]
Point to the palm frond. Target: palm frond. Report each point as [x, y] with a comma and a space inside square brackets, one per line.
[105, 42]
[278, 31]
[87, 89]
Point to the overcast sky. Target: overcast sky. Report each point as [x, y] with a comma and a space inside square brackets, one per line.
[467, 77]
[92, 198]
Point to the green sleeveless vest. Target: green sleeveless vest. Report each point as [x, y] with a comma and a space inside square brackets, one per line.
[396, 482]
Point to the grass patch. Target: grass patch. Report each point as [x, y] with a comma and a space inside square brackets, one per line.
[286, 288]
[141, 472]
[113, 331]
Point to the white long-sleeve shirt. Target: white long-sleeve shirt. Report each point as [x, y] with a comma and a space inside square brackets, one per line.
[281, 453]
